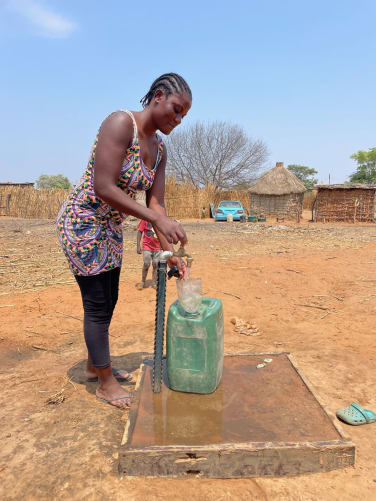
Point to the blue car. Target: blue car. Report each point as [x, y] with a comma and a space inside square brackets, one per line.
[227, 207]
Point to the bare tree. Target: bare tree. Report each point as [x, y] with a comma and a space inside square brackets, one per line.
[219, 153]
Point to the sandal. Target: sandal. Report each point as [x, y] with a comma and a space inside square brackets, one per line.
[104, 400]
[355, 414]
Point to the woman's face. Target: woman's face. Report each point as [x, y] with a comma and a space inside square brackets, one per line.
[169, 112]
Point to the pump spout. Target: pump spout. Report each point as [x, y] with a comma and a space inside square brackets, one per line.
[166, 255]
[179, 253]
[182, 253]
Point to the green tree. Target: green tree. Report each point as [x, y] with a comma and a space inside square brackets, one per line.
[50, 182]
[366, 170]
[305, 174]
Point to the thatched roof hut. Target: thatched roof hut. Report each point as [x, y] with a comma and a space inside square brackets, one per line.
[279, 193]
[349, 202]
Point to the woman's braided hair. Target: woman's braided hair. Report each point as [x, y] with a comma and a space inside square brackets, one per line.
[170, 83]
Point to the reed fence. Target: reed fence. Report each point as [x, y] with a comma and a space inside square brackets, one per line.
[309, 197]
[182, 200]
[30, 203]
[187, 201]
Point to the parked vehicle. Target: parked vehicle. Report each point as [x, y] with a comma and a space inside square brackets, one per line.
[227, 207]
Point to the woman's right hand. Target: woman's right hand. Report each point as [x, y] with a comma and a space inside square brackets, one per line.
[171, 230]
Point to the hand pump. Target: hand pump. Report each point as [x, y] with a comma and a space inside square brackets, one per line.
[160, 310]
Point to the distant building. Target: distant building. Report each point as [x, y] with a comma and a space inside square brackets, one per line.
[350, 202]
[19, 185]
[278, 193]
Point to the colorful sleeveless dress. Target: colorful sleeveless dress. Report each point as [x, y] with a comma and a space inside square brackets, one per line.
[90, 230]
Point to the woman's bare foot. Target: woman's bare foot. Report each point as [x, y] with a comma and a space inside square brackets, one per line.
[121, 399]
[110, 391]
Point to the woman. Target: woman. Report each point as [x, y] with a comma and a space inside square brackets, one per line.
[127, 155]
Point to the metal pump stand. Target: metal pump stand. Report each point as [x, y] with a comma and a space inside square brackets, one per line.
[160, 311]
[160, 320]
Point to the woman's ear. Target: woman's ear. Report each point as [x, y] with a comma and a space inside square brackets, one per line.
[159, 96]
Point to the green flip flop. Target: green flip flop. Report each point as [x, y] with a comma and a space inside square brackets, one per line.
[355, 415]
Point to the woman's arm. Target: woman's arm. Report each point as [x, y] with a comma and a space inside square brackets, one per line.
[155, 198]
[155, 201]
[114, 138]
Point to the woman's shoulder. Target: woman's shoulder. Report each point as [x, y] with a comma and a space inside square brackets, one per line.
[121, 117]
[119, 123]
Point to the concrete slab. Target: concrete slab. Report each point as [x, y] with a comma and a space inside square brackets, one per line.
[259, 422]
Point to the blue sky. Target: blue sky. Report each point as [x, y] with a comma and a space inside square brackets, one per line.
[299, 75]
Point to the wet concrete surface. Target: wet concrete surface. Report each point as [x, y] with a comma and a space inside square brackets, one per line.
[271, 404]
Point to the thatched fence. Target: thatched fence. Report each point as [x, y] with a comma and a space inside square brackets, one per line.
[182, 200]
[309, 198]
[186, 201]
[30, 203]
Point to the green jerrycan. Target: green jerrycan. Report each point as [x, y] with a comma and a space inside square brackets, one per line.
[195, 347]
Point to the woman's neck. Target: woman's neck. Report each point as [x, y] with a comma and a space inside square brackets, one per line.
[145, 125]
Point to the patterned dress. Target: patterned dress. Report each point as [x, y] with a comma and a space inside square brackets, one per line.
[90, 230]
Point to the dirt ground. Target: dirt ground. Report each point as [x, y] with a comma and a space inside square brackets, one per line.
[309, 288]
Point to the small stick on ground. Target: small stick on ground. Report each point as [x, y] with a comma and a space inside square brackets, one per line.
[70, 316]
[72, 383]
[339, 298]
[313, 306]
[229, 294]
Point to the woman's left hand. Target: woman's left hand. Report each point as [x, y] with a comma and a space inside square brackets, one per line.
[182, 267]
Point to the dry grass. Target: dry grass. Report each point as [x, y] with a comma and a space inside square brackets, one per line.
[185, 200]
[31, 258]
[182, 200]
[30, 203]
[59, 396]
[309, 197]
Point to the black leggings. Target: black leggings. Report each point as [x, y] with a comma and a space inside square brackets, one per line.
[99, 296]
